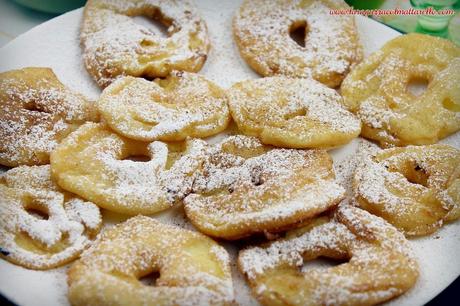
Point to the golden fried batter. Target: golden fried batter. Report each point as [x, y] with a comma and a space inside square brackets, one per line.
[262, 32]
[245, 187]
[194, 270]
[415, 188]
[171, 109]
[36, 112]
[379, 264]
[377, 91]
[293, 113]
[114, 45]
[123, 175]
[41, 225]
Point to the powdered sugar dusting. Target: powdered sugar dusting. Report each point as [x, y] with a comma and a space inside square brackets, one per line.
[354, 235]
[299, 112]
[37, 112]
[241, 186]
[184, 104]
[378, 91]
[344, 168]
[189, 274]
[383, 182]
[115, 45]
[55, 44]
[66, 231]
[331, 48]
[102, 171]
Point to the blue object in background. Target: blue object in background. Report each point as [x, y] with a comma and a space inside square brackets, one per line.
[52, 6]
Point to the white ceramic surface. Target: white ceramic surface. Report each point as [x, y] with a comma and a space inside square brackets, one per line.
[55, 44]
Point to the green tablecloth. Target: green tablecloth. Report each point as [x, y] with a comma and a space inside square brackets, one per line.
[408, 23]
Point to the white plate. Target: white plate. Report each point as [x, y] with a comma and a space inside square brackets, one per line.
[55, 44]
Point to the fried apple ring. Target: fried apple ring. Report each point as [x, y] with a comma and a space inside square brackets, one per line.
[377, 91]
[171, 109]
[379, 266]
[42, 226]
[113, 44]
[245, 187]
[262, 32]
[36, 112]
[415, 188]
[111, 170]
[194, 270]
[293, 113]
